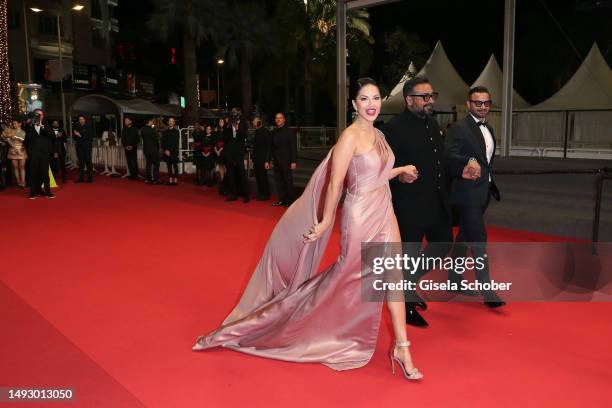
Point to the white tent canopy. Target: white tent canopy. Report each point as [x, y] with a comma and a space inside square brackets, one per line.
[588, 89]
[100, 104]
[444, 79]
[491, 78]
[580, 112]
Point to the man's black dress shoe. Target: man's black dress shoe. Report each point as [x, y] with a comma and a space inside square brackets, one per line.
[492, 300]
[231, 198]
[262, 198]
[413, 317]
[278, 204]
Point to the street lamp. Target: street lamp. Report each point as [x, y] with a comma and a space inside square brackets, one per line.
[219, 64]
[58, 15]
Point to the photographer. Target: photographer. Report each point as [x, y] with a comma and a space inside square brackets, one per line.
[39, 142]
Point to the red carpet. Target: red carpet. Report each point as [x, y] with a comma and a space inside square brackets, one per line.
[105, 288]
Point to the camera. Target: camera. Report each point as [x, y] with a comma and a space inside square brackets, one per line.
[34, 117]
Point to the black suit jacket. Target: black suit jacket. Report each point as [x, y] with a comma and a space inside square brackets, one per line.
[234, 147]
[150, 141]
[86, 138]
[464, 139]
[417, 141]
[261, 145]
[170, 141]
[283, 148]
[129, 137]
[39, 143]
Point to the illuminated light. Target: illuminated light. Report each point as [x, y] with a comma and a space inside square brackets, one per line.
[5, 84]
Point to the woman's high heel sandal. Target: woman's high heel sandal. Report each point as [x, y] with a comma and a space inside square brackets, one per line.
[413, 374]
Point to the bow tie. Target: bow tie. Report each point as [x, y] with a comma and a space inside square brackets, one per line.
[482, 124]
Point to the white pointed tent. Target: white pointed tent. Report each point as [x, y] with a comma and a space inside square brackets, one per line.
[443, 77]
[589, 88]
[580, 111]
[491, 78]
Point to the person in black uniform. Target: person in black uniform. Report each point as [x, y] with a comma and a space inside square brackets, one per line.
[283, 156]
[422, 208]
[170, 147]
[209, 156]
[150, 148]
[129, 141]
[83, 141]
[235, 136]
[58, 164]
[261, 147]
[39, 142]
[198, 158]
[220, 154]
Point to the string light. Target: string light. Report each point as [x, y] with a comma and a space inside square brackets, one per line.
[5, 84]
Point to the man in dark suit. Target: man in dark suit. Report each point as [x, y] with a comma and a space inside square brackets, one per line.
[58, 163]
[39, 142]
[422, 208]
[283, 155]
[261, 147]
[83, 140]
[234, 137]
[472, 139]
[129, 141]
[150, 149]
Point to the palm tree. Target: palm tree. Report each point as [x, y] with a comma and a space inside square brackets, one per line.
[195, 21]
[289, 20]
[248, 35]
[320, 48]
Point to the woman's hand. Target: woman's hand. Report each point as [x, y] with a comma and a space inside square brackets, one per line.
[409, 174]
[316, 231]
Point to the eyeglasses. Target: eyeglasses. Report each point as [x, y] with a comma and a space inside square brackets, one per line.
[426, 97]
[480, 103]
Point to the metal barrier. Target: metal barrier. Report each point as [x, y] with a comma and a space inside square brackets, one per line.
[316, 137]
[602, 174]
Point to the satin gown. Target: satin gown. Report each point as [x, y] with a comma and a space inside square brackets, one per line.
[288, 311]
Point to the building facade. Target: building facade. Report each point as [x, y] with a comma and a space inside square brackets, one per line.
[88, 33]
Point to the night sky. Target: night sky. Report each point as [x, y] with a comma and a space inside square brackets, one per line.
[470, 31]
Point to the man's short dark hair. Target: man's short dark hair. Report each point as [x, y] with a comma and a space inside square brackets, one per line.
[410, 84]
[82, 116]
[477, 89]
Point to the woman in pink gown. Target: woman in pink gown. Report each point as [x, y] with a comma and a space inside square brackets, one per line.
[288, 311]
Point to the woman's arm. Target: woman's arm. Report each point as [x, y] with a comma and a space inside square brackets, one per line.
[341, 158]
[409, 170]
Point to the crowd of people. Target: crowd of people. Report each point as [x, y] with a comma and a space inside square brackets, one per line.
[29, 146]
